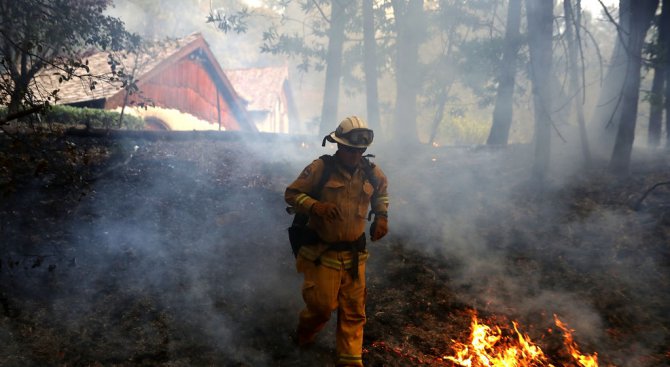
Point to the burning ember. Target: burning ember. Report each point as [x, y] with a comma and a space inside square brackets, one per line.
[489, 347]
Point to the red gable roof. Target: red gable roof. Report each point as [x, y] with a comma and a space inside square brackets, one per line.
[153, 69]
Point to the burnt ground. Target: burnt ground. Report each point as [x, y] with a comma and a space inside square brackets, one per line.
[173, 252]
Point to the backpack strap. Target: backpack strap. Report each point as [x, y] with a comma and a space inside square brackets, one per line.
[368, 169]
[300, 219]
[328, 166]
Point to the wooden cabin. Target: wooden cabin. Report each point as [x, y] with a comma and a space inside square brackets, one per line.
[268, 95]
[182, 81]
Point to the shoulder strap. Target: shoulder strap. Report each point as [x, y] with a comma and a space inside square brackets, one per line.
[300, 219]
[368, 168]
[328, 166]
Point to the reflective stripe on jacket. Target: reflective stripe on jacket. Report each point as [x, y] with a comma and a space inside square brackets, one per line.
[353, 193]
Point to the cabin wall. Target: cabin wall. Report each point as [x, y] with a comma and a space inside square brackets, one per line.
[187, 86]
[275, 118]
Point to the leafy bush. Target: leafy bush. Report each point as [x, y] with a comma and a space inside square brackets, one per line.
[92, 117]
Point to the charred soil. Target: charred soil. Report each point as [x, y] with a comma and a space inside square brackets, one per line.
[173, 252]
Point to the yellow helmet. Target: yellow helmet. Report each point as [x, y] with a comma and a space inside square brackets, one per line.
[353, 132]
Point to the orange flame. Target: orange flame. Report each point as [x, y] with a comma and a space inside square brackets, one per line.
[568, 341]
[488, 347]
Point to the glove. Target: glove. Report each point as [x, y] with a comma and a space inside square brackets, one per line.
[328, 211]
[379, 228]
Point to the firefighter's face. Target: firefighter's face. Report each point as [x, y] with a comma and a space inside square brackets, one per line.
[350, 156]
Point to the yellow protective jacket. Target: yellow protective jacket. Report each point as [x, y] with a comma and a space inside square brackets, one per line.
[353, 193]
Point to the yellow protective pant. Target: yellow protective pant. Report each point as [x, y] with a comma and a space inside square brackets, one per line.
[326, 288]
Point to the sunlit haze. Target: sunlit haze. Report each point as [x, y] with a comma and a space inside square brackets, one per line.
[595, 7]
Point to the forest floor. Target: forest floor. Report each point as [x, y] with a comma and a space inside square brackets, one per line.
[139, 251]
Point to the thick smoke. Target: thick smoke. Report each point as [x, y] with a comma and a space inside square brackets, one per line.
[182, 247]
[523, 250]
[186, 245]
[212, 258]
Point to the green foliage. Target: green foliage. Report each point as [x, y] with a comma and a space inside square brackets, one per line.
[478, 68]
[40, 35]
[308, 41]
[95, 118]
[229, 22]
[91, 117]
[460, 129]
[293, 45]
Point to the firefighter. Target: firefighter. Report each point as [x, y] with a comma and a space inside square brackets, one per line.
[333, 265]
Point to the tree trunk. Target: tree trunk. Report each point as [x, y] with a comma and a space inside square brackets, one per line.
[331, 92]
[502, 111]
[21, 73]
[660, 69]
[409, 27]
[641, 15]
[439, 112]
[576, 90]
[370, 65]
[667, 108]
[608, 108]
[19, 92]
[453, 33]
[540, 22]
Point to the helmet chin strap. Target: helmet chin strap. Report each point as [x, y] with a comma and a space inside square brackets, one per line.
[327, 137]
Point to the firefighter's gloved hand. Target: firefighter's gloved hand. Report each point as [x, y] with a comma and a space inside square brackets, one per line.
[328, 211]
[379, 228]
